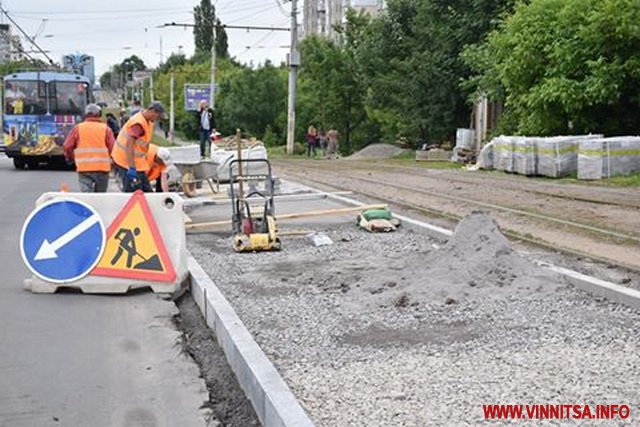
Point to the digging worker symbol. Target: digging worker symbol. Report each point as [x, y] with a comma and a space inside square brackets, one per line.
[127, 243]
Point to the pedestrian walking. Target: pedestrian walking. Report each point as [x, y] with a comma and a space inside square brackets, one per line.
[113, 124]
[136, 108]
[122, 117]
[312, 138]
[332, 143]
[322, 141]
[158, 159]
[132, 146]
[206, 123]
[89, 144]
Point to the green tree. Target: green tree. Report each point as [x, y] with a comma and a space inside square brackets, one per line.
[331, 88]
[131, 64]
[410, 57]
[254, 100]
[105, 79]
[22, 65]
[204, 16]
[564, 66]
[174, 60]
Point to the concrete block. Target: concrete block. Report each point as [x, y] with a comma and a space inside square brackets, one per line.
[166, 209]
[611, 291]
[273, 401]
[186, 154]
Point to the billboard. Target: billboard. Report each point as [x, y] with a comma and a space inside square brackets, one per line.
[194, 93]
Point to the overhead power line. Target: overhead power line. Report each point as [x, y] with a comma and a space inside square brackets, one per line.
[27, 35]
[90, 12]
[230, 27]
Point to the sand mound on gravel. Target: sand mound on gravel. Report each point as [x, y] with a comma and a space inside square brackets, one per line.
[377, 151]
[479, 256]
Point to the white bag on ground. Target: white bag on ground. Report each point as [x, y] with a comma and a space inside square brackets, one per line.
[485, 158]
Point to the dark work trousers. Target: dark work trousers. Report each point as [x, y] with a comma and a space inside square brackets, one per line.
[129, 186]
[205, 141]
[93, 182]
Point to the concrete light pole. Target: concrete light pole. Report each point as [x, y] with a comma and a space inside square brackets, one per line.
[172, 117]
[294, 62]
[212, 96]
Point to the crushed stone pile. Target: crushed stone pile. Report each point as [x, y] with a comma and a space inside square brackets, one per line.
[479, 255]
[377, 151]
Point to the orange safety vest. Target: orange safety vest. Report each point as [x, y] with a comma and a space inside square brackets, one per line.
[92, 153]
[140, 146]
[155, 170]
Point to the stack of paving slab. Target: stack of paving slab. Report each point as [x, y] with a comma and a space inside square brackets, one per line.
[607, 157]
[224, 158]
[556, 157]
[186, 154]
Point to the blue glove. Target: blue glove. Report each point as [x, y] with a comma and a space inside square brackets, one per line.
[132, 173]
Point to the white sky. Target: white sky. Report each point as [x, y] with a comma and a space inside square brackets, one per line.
[115, 29]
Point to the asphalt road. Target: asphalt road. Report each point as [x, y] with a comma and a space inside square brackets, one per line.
[84, 360]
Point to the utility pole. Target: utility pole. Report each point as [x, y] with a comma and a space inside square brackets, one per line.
[212, 95]
[294, 61]
[151, 94]
[172, 120]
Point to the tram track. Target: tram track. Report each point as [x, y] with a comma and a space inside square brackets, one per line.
[392, 193]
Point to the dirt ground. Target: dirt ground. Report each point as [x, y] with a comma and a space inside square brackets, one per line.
[609, 218]
[228, 404]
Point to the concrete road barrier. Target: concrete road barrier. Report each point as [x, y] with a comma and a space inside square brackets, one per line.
[144, 246]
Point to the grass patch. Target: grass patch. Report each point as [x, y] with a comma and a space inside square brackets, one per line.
[616, 181]
[623, 181]
[280, 152]
[411, 161]
[161, 141]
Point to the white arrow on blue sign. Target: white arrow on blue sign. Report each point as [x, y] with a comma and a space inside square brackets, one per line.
[62, 240]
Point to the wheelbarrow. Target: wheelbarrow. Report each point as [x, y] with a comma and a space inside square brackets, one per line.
[194, 173]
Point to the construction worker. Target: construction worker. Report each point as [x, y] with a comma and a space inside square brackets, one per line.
[89, 144]
[158, 159]
[130, 150]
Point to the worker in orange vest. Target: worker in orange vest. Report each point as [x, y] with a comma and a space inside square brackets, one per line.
[89, 144]
[132, 145]
[158, 159]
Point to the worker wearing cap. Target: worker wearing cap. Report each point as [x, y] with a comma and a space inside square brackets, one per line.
[158, 159]
[89, 144]
[132, 146]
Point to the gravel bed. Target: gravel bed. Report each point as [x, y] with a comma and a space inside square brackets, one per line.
[397, 330]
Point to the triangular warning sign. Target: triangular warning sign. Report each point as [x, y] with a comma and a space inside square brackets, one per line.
[134, 247]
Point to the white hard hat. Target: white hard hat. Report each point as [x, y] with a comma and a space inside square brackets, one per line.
[164, 154]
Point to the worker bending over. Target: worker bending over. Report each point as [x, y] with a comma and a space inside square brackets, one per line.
[158, 159]
[132, 146]
[89, 144]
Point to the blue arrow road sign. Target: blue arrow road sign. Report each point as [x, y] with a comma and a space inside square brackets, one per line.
[62, 240]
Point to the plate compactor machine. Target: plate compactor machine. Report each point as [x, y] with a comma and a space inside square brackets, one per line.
[254, 226]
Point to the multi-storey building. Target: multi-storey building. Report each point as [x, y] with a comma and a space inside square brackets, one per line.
[324, 16]
[10, 45]
[80, 63]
